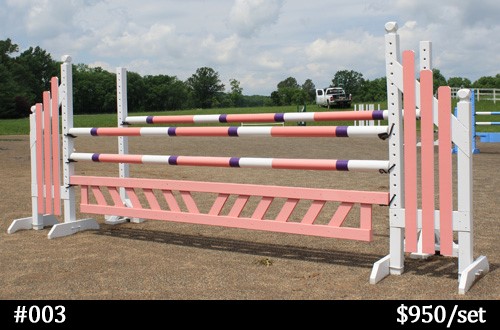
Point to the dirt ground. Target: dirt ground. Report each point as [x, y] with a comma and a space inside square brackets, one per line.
[164, 260]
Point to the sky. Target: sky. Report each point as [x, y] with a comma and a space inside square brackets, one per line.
[257, 42]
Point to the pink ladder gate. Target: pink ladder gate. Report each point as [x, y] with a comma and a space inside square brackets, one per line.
[96, 189]
[418, 231]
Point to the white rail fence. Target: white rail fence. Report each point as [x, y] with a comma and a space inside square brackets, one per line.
[481, 94]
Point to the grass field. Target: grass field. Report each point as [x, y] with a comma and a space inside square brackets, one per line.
[21, 126]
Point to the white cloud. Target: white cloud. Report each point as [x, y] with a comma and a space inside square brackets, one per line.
[248, 17]
[223, 51]
[269, 61]
[258, 42]
[354, 50]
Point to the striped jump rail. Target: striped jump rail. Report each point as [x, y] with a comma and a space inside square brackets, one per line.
[488, 113]
[238, 162]
[237, 131]
[259, 117]
[487, 123]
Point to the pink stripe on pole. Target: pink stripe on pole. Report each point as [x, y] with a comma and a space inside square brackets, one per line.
[203, 161]
[47, 139]
[39, 157]
[182, 119]
[118, 131]
[343, 115]
[201, 131]
[305, 164]
[445, 172]
[111, 158]
[427, 168]
[312, 131]
[257, 118]
[410, 151]
[56, 165]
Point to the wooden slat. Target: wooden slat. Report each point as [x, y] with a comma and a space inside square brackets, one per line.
[427, 158]
[39, 158]
[47, 149]
[115, 195]
[238, 206]
[56, 164]
[365, 218]
[340, 214]
[171, 201]
[84, 195]
[218, 204]
[410, 151]
[262, 208]
[99, 197]
[287, 209]
[189, 202]
[445, 173]
[151, 198]
[313, 212]
[133, 198]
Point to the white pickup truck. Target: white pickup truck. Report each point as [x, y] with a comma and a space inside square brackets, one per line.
[333, 97]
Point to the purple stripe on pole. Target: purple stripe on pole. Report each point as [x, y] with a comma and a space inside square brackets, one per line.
[378, 114]
[341, 131]
[95, 157]
[234, 162]
[172, 160]
[279, 117]
[223, 118]
[171, 131]
[233, 131]
[342, 165]
[93, 131]
[149, 120]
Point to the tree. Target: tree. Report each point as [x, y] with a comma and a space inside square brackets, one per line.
[459, 82]
[236, 94]
[488, 82]
[289, 82]
[205, 87]
[36, 68]
[310, 89]
[438, 79]
[16, 94]
[9, 92]
[94, 90]
[7, 48]
[136, 90]
[286, 93]
[351, 81]
[372, 91]
[164, 93]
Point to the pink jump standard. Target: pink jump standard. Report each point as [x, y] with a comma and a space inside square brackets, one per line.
[418, 231]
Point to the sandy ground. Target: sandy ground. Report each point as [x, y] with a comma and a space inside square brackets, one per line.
[165, 260]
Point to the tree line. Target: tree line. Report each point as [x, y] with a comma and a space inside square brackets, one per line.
[24, 76]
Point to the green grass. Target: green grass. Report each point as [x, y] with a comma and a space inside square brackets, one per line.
[21, 126]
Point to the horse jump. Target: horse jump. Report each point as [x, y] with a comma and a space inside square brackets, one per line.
[422, 230]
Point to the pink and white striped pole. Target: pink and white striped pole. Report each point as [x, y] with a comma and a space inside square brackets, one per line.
[241, 162]
[259, 117]
[237, 131]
